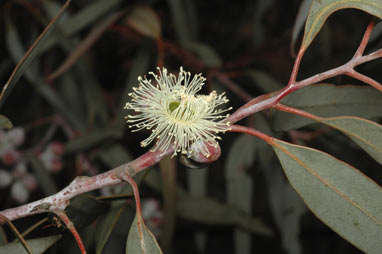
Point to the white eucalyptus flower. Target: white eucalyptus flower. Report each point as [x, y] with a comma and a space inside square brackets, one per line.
[175, 114]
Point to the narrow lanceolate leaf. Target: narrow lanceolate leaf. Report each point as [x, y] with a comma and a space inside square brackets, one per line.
[38, 245]
[212, 212]
[30, 55]
[140, 239]
[300, 21]
[320, 10]
[145, 21]
[326, 100]
[338, 194]
[107, 224]
[367, 134]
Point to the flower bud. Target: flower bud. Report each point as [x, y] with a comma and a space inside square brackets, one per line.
[199, 154]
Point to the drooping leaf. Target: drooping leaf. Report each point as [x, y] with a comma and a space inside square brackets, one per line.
[16, 51]
[84, 209]
[38, 245]
[299, 22]
[139, 67]
[83, 18]
[376, 33]
[5, 123]
[367, 134]
[85, 44]
[327, 100]
[240, 185]
[338, 194]
[206, 53]
[107, 224]
[181, 21]
[30, 55]
[115, 155]
[145, 21]
[321, 9]
[212, 212]
[88, 140]
[264, 81]
[261, 8]
[168, 171]
[140, 239]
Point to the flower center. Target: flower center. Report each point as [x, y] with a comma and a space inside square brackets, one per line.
[173, 105]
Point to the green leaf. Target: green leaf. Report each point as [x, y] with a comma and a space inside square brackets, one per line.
[327, 100]
[299, 22]
[115, 156]
[93, 138]
[182, 20]
[5, 123]
[145, 21]
[365, 133]
[82, 19]
[84, 209]
[38, 245]
[264, 81]
[321, 9]
[16, 51]
[206, 53]
[107, 224]
[139, 67]
[239, 183]
[376, 33]
[338, 194]
[140, 239]
[212, 212]
[30, 55]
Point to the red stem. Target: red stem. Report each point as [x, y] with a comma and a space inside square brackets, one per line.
[250, 131]
[364, 40]
[295, 111]
[365, 79]
[270, 100]
[134, 186]
[73, 230]
[296, 66]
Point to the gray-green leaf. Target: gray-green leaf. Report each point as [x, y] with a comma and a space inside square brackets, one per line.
[338, 194]
[38, 245]
[140, 239]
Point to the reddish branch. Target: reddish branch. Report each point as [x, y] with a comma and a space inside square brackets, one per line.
[270, 100]
[59, 201]
[82, 184]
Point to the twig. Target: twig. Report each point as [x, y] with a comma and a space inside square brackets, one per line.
[269, 100]
[4, 219]
[69, 224]
[82, 184]
[364, 40]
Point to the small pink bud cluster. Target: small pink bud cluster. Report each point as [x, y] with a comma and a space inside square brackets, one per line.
[51, 156]
[15, 172]
[20, 181]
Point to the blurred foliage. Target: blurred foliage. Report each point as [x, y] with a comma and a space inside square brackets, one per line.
[75, 89]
